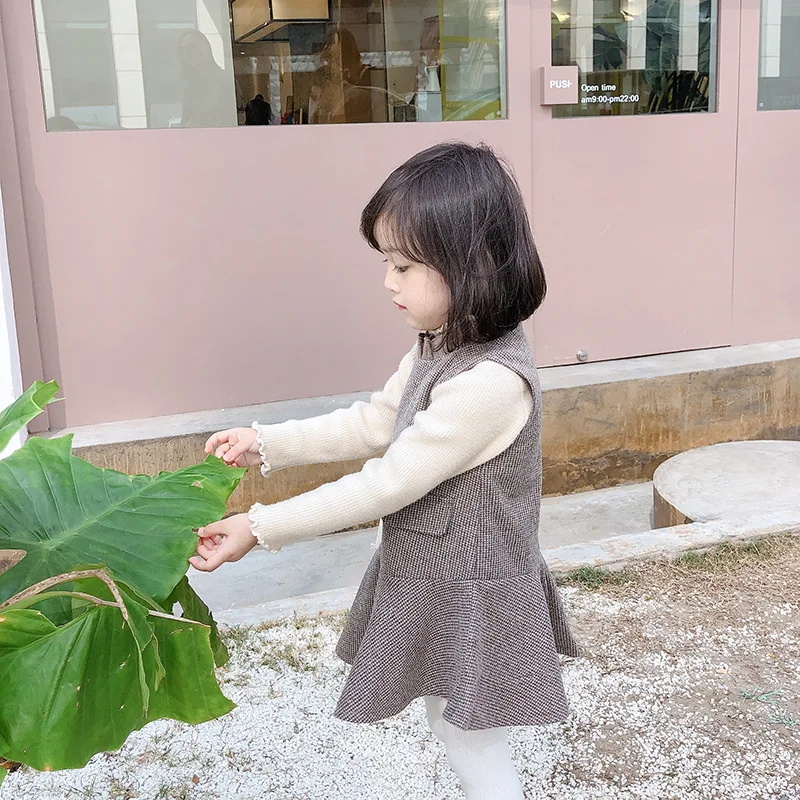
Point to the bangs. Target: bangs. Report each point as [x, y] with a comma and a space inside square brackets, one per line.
[390, 224]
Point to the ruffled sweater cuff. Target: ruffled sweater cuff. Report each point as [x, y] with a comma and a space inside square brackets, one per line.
[263, 450]
[258, 530]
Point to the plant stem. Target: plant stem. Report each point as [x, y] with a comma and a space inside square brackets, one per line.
[43, 586]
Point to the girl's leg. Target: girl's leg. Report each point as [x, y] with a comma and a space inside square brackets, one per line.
[480, 759]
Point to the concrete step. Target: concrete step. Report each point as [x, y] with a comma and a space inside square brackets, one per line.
[333, 563]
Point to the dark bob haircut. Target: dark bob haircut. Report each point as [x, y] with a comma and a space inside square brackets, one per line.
[457, 209]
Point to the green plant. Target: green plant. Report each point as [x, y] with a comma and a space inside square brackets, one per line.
[91, 566]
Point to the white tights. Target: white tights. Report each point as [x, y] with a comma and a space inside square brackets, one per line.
[481, 759]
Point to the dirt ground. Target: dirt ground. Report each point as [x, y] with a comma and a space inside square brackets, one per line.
[717, 638]
[688, 689]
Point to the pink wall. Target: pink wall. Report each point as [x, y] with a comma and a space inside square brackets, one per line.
[182, 270]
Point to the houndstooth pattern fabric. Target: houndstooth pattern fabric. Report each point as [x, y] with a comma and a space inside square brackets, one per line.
[457, 601]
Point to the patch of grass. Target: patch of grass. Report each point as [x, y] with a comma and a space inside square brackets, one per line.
[236, 636]
[85, 792]
[300, 622]
[286, 655]
[721, 561]
[172, 792]
[337, 622]
[593, 578]
[119, 792]
[240, 682]
[732, 556]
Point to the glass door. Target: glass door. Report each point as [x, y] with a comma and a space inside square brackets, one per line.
[634, 175]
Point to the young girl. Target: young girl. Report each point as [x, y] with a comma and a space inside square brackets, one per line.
[457, 605]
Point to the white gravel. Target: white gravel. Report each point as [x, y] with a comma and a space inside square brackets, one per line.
[658, 712]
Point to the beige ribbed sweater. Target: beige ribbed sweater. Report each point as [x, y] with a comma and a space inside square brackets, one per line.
[471, 419]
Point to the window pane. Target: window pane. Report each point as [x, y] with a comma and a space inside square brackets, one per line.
[211, 63]
[637, 56]
[136, 63]
[82, 84]
[371, 61]
[779, 73]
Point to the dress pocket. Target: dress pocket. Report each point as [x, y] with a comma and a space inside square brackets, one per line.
[430, 516]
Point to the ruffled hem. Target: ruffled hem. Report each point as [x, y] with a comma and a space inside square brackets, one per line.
[262, 451]
[490, 647]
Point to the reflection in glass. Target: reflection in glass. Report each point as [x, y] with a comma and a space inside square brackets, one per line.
[779, 73]
[136, 63]
[215, 63]
[637, 56]
[372, 61]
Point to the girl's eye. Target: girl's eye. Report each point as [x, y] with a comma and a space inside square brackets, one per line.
[400, 269]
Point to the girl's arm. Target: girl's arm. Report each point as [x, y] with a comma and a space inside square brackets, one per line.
[361, 431]
[471, 419]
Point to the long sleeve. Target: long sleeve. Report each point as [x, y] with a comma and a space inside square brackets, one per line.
[360, 431]
[470, 419]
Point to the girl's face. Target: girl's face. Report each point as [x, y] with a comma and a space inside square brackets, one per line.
[418, 291]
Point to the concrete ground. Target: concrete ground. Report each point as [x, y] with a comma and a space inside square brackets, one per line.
[335, 562]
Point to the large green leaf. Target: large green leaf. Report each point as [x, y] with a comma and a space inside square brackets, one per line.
[194, 608]
[24, 409]
[98, 678]
[63, 512]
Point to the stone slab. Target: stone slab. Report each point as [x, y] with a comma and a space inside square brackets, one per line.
[734, 480]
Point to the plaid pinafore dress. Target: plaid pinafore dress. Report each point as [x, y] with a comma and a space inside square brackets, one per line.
[457, 601]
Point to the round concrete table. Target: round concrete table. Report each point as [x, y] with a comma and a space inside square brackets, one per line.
[736, 480]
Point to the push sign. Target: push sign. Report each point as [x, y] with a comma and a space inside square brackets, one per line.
[560, 85]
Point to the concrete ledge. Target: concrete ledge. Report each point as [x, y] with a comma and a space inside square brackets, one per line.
[638, 413]
[605, 424]
[613, 553]
[617, 552]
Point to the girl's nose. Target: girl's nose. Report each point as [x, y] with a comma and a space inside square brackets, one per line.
[390, 282]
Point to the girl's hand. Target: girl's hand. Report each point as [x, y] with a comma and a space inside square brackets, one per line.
[227, 540]
[236, 446]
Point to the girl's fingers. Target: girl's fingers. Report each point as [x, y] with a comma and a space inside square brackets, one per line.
[210, 541]
[208, 564]
[222, 449]
[235, 452]
[215, 529]
[206, 550]
[215, 440]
